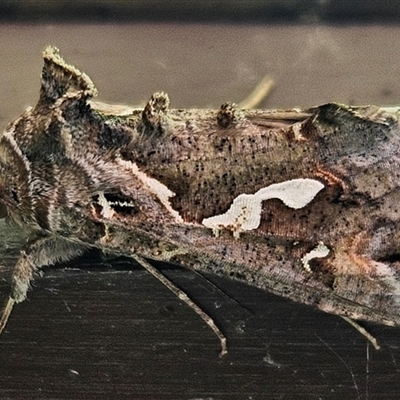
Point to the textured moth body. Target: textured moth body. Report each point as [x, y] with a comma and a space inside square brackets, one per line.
[302, 203]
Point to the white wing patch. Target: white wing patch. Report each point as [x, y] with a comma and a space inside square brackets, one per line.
[244, 213]
[106, 209]
[159, 189]
[320, 251]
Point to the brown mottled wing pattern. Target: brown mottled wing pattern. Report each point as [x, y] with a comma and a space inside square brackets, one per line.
[301, 203]
[352, 151]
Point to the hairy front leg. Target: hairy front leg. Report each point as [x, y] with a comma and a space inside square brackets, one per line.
[37, 254]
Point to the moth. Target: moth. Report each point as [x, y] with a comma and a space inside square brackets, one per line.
[302, 203]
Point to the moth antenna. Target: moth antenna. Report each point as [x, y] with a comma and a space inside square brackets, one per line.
[260, 92]
[363, 331]
[6, 313]
[185, 298]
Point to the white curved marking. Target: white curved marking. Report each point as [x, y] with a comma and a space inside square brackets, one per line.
[106, 210]
[159, 189]
[244, 213]
[320, 251]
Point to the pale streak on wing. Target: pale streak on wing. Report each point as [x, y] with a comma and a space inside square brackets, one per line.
[244, 213]
[156, 187]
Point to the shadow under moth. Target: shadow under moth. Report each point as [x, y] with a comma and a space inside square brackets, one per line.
[302, 203]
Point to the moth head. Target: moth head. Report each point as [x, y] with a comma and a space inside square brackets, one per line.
[14, 191]
[32, 148]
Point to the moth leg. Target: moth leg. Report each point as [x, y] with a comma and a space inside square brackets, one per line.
[40, 253]
[260, 92]
[20, 282]
[363, 332]
[185, 298]
[6, 313]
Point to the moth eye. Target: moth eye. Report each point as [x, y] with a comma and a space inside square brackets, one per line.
[3, 211]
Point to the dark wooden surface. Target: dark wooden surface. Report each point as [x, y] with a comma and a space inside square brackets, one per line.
[106, 329]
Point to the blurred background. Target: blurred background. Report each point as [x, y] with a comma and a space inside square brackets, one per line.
[204, 10]
[96, 328]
